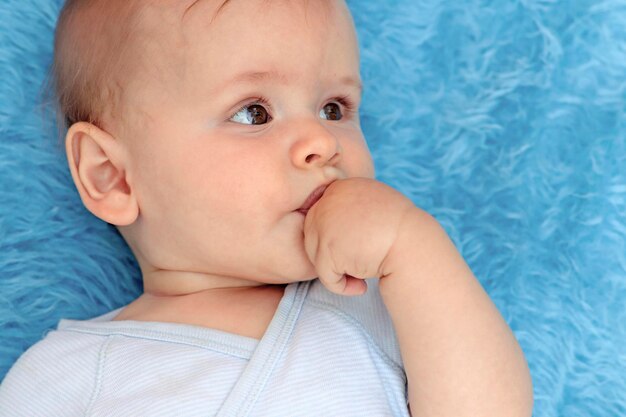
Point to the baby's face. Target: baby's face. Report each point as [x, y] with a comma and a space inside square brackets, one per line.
[244, 118]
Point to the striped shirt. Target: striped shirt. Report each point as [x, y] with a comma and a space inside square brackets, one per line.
[322, 354]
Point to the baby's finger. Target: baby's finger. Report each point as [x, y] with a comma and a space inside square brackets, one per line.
[342, 284]
[354, 286]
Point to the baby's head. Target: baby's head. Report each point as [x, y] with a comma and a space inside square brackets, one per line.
[198, 128]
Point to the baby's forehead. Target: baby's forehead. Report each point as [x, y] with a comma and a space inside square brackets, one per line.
[225, 18]
[185, 50]
[169, 34]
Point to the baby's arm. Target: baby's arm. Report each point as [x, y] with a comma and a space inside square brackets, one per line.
[460, 357]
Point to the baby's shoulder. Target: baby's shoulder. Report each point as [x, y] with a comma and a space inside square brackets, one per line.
[367, 312]
[61, 365]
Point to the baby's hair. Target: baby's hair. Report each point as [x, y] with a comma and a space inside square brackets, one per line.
[91, 63]
[94, 46]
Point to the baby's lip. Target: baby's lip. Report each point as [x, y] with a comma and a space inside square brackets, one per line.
[314, 197]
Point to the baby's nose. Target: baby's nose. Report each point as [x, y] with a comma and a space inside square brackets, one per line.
[314, 146]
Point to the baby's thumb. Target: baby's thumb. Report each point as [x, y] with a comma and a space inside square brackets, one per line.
[344, 284]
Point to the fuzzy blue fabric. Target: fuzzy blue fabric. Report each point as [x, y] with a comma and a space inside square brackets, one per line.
[503, 118]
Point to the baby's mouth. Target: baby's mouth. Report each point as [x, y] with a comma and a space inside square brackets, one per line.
[313, 198]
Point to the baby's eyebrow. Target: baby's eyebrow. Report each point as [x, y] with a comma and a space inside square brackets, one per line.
[194, 2]
[262, 76]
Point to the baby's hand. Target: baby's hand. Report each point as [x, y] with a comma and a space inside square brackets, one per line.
[350, 230]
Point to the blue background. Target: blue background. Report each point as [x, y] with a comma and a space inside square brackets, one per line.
[504, 119]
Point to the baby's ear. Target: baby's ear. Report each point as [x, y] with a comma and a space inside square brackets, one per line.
[98, 168]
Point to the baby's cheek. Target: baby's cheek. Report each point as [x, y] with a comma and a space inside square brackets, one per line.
[357, 158]
[366, 167]
[370, 173]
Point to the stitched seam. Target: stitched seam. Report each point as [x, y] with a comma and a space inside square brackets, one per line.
[156, 339]
[98, 381]
[293, 314]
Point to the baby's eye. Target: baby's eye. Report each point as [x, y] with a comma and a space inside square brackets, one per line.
[251, 114]
[256, 114]
[331, 111]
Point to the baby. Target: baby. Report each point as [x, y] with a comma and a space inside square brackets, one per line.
[222, 138]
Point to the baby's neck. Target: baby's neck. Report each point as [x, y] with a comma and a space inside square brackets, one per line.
[243, 311]
[159, 282]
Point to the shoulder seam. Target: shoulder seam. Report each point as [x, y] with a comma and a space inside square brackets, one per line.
[98, 379]
[154, 337]
[333, 309]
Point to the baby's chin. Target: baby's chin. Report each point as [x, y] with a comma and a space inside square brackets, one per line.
[308, 274]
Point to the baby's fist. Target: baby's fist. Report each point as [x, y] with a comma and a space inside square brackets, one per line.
[350, 230]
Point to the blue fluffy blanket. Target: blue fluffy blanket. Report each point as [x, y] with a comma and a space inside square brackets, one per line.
[505, 119]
